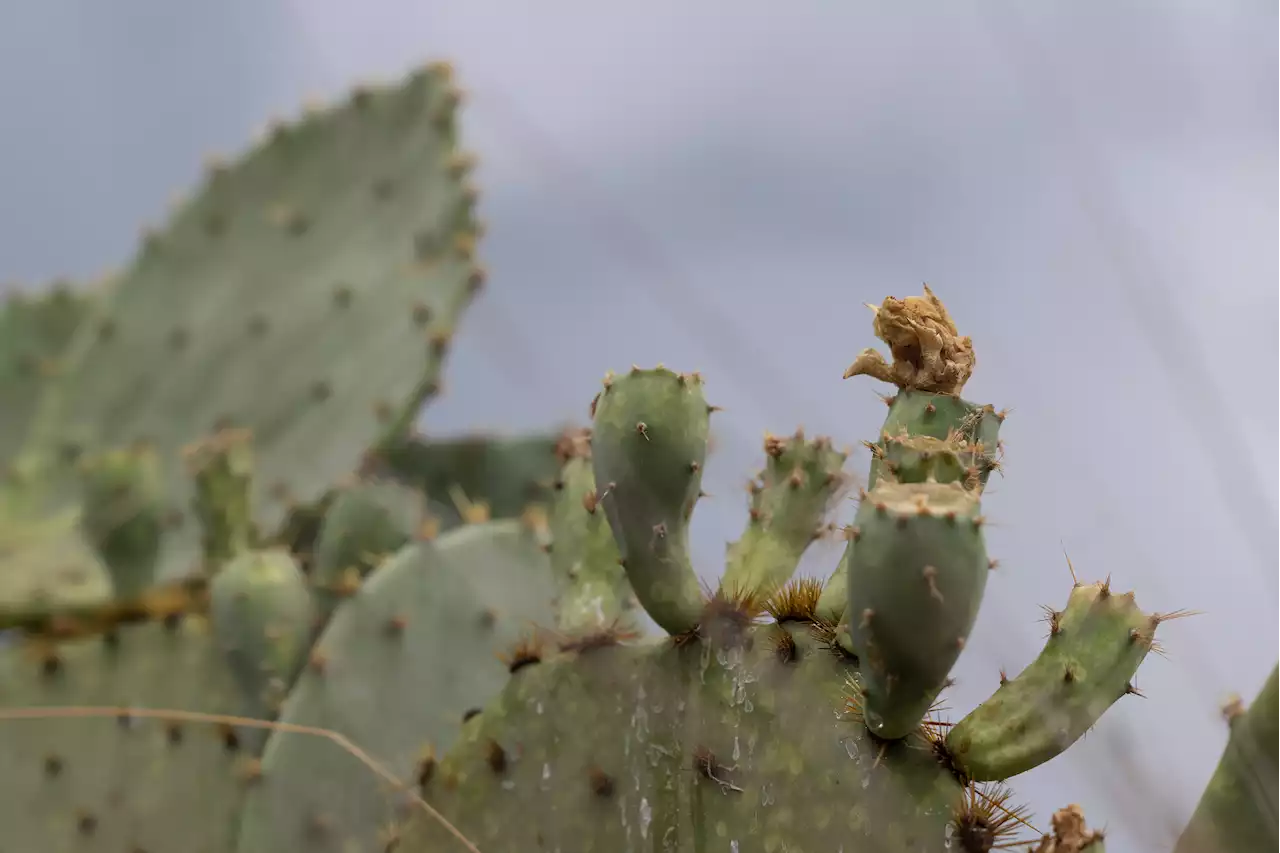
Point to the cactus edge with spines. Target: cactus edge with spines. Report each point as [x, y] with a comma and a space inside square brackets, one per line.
[745, 733]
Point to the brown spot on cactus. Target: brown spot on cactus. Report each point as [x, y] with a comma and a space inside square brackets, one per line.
[86, 822]
[321, 390]
[425, 770]
[173, 733]
[258, 325]
[495, 756]
[230, 737]
[469, 713]
[52, 765]
[526, 652]
[602, 784]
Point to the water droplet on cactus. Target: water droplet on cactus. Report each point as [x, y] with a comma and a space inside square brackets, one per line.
[646, 817]
[851, 748]
[874, 722]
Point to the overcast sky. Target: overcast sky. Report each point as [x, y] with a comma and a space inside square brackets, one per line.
[1093, 193]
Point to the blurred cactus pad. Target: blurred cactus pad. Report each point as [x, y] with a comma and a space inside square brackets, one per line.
[253, 610]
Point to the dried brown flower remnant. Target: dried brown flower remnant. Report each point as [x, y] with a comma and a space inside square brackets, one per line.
[1070, 833]
[929, 354]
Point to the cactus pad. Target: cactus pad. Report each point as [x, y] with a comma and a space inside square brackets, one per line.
[399, 665]
[308, 293]
[1095, 647]
[649, 443]
[790, 500]
[102, 785]
[917, 568]
[644, 748]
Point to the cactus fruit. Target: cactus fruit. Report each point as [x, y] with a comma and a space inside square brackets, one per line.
[262, 615]
[123, 515]
[401, 663]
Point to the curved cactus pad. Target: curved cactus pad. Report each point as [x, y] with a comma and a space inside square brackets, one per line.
[400, 665]
[308, 293]
[640, 748]
[35, 330]
[102, 785]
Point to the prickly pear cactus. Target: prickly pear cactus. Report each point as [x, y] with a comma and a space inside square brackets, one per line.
[778, 716]
[252, 307]
[35, 330]
[404, 660]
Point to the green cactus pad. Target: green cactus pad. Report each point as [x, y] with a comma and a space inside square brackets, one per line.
[366, 523]
[1238, 809]
[1094, 648]
[942, 417]
[308, 293]
[35, 331]
[503, 475]
[789, 504]
[649, 444]
[103, 784]
[262, 615]
[626, 749]
[396, 670]
[917, 569]
[123, 516]
[594, 591]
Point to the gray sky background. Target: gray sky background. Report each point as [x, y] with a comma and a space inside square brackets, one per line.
[1092, 192]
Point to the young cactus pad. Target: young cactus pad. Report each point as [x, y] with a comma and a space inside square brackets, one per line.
[401, 663]
[648, 444]
[917, 568]
[1095, 647]
[123, 516]
[309, 292]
